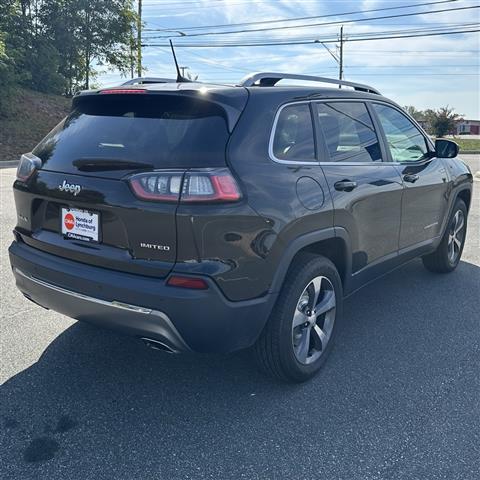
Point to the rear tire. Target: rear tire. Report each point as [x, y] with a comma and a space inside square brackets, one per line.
[300, 332]
[448, 253]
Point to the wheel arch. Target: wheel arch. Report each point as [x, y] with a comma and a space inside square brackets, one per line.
[332, 243]
[466, 196]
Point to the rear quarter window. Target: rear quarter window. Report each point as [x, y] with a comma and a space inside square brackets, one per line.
[293, 136]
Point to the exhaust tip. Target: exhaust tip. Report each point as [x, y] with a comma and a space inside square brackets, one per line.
[157, 345]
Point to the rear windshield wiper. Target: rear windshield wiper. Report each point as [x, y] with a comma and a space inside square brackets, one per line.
[103, 164]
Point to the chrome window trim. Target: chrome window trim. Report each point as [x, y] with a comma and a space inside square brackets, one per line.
[347, 164]
[356, 164]
[388, 104]
[272, 137]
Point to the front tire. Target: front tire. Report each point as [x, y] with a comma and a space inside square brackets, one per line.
[300, 332]
[448, 253]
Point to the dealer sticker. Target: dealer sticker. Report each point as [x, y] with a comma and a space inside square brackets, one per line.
[80, 224]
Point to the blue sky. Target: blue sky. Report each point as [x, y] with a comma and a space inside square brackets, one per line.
[428, 72]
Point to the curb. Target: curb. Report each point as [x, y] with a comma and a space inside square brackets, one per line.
[9, 164]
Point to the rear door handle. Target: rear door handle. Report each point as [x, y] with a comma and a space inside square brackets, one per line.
[345, 185]
[411, 177]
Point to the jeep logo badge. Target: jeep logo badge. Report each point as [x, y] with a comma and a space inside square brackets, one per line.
[70, 187]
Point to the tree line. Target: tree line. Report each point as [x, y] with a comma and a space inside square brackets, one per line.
[439, 122]
[57, 46]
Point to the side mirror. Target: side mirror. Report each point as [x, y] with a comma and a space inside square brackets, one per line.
[446, 148]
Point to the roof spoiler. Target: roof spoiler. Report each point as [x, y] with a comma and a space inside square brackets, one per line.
[145, 80]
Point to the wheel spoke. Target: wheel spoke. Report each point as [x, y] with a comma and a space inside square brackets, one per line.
[317, 288]
[327, 303]
[451, 250]
[299, 318]
[457, 242]
[304, 345]
[459, 223]
[455, 218]
[321, 335]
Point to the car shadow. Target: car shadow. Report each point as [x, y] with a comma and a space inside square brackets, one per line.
[391, 399]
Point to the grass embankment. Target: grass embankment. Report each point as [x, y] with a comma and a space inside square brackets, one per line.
[467, 144]
[33, 115]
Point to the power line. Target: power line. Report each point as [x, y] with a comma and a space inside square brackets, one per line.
[361, 34]
[211, 63]
[338, 22]
[307, 42]
[297, 19]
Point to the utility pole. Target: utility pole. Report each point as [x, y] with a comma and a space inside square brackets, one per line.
[132, 53]
[183, 70]
[340, 63]
[139, 39]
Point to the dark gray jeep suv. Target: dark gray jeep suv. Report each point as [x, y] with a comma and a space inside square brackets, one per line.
[213, 218]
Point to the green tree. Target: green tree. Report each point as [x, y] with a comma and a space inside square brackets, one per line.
[57, 46]
[61, 22]
[7, 67]
[418, 115]
[104, 34]
[43, 63]
[7, 79]
[442, 121]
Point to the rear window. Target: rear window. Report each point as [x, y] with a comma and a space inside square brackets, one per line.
[160, 130]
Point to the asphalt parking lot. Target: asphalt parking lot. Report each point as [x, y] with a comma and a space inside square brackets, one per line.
[399, 397]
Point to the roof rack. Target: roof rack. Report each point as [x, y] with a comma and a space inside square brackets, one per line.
[143, 80]
[269, 79]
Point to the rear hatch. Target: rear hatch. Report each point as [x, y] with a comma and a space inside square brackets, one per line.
[80, 204]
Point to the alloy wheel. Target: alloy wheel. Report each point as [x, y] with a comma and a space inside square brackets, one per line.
[313, 320]
[456, 236]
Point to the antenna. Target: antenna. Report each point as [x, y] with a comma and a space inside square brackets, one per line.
[180, 77]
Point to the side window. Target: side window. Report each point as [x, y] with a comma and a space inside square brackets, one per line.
[349, 132]
[293, 138]
[405, 141]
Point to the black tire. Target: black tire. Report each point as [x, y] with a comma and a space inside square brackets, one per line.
[441, 261]
[275, 350]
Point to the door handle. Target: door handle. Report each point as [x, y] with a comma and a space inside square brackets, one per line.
[411, 177]
[345, 185]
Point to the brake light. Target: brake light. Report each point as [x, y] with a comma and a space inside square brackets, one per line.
[187, 282]
[210, 186]
[207, 185]
[157, 186]
[28, 164]
[122, 90]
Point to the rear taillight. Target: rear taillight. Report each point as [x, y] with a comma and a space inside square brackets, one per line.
[157, 186]
[208, 185]
[28, 164]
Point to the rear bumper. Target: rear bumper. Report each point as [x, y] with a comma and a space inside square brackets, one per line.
[144, 307]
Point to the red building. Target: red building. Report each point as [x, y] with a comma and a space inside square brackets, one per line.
[468, 127]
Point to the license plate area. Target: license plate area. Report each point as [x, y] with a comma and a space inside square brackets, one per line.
[79, 224]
